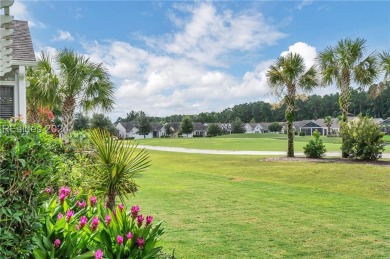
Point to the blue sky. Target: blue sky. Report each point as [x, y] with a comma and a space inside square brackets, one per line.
[186, 57]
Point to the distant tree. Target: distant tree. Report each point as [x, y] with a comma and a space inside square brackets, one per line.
[238, 126]
[214, 130]
[168, 129]
[99, 121]
[328, 122]
[275, 127]
[286, 77]
[143, 125]
[186, 126]
[81, 122]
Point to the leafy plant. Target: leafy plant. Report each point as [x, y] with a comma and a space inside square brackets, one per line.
[30, 158]
[75, 225]
[116, 162]
[315, 148]
[275, 127]
[214, 130]
[362, 139]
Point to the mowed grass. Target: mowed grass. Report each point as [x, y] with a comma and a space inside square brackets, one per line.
[242, 207]
[249, 142]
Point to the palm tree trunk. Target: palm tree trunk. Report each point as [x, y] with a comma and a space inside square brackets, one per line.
[32, 115]
[344, 104]
[67, 116]
[289, 115]
[111, 200]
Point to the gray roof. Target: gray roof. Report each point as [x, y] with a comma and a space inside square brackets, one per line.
[128, 125]
[22, 45]
[264, 125]
[321, 122]
[199, 126]
[299, 124]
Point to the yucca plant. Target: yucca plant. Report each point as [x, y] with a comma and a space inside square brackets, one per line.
[117, 162]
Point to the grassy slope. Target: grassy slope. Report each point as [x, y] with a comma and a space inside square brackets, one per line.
[252, 142]
[240, 207]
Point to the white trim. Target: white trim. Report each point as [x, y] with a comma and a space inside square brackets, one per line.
[23, 63]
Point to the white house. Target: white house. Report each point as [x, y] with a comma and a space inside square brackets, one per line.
[130, 130]
[16, 53]
[253, 128]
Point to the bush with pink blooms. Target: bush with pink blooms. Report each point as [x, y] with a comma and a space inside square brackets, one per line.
[75, 224]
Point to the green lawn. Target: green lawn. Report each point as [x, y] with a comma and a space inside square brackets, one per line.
[250, 142]
[242, 207]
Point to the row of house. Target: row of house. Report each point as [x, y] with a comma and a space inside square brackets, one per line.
[130, 130]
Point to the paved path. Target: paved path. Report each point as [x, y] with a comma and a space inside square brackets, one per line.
[232, 152]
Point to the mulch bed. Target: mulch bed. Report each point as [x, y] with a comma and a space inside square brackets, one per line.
[326, 160]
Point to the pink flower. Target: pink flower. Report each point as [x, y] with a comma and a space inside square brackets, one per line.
[119, 240]
[62, 197]
[149, 220]
[69, 215]
[57, 243]
[83, 221]
[93, 200]
[94, 223]
[65, 190]
[48, 190]
[120, 206]
[77, 227]
[134, 211]
[140, 219]
[59, 216]
[114, 212]
[108, 219]
[129, 235]
[140, 242]
[99, 254]
[81, 204]
[75, 193]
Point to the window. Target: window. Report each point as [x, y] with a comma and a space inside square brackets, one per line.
[6, 102]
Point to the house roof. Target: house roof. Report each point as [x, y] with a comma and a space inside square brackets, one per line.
[22, 48]
[128, 125]
[299, 124]
[199, 126]
[264, 125]
[321, 122]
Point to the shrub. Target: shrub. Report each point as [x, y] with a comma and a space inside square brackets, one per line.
[362, 139]
[214, 130]
[30, 159]
[302, 134]
[315, 148]
[275, 127]
[237, 126]
[74, 224]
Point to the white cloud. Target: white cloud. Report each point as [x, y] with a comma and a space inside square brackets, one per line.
[63, 36]
[304, 3]
[308, 52]
[208, 35]
[20, 12]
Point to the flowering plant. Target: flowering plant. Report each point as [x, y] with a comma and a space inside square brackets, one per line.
[75, 224]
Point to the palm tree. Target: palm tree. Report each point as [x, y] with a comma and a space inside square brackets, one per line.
[345, 63]
[81, 83]
[328, 122]
[116, 164]
[286, 77]
[42, 91]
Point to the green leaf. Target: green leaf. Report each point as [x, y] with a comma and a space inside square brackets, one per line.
[39, 254]
[88, 254]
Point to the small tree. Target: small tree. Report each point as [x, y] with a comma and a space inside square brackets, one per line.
[186, 126]
[315, 148]
[328, 122]
[99, 121]
[363, 139]
[237, 126]
[214, 130]
[143, 125]
[81, 122]
[168, 129]
[275, 127]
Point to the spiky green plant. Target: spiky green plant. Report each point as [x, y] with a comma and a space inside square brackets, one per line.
[117, 162]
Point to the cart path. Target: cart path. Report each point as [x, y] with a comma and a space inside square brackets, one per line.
[233, 152]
